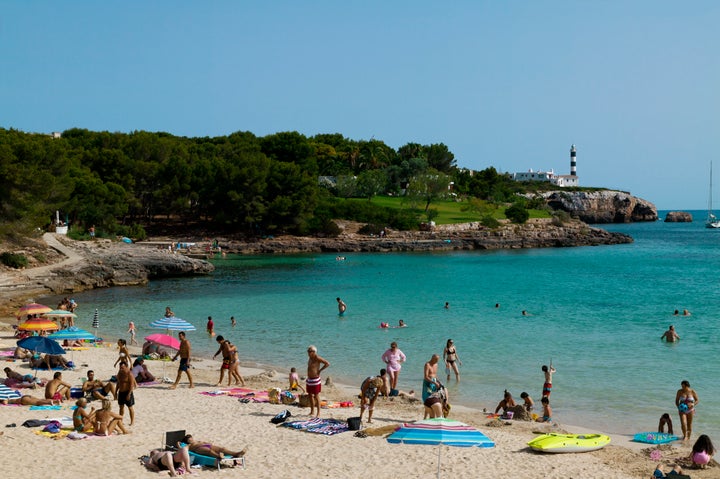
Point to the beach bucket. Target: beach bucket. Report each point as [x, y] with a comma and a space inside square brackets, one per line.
[354, 423]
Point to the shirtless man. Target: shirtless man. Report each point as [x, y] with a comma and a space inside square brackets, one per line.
[430, 382]
[184, 353]
[97, 388]
[670, 335]
[54, 388]
[342, 307]
[313, 383]
[125, 386]
[228, 362]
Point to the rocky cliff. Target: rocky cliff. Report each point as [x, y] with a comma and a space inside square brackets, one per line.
[605, 206]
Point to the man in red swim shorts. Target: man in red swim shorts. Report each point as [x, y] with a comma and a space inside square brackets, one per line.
[313, 383]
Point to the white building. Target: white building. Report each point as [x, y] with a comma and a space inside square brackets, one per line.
[561, 181]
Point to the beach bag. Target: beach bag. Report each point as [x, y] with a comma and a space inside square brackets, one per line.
[353, 423]
[286, 397]
[53, 427]
[304, 400]
[280, 418]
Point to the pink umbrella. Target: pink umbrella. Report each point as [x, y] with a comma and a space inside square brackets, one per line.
[164, 340]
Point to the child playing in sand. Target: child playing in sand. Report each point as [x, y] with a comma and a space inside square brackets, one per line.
[547, 386]
[528, 402]
[547, 410]
[702, 451]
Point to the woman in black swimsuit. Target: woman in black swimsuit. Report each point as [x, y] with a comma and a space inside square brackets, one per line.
[452, 360]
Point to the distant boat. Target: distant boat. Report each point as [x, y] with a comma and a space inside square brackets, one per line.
[712, 220]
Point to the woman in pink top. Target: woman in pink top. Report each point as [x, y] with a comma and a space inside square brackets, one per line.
[393, 357]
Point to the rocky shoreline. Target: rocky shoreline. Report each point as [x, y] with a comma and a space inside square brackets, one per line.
[70, 266]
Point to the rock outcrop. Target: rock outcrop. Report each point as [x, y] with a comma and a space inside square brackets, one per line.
[678, 217]
[536, 233]
[605, 206]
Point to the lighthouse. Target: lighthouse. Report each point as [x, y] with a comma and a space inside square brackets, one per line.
[573, 162]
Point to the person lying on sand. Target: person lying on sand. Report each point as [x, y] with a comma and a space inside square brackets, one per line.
[208, 449]
[29, 401]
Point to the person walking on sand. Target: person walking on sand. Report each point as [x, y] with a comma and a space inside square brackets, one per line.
[342, 307]
[132, 332]
[685, 400]
[451, 358]
[670, 335]
[184, 353]
[227, 361]
[313, 383]
[125, 386]
[394, 358]
[547, 385]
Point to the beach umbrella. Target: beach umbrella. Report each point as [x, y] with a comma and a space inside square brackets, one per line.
[32, 308]
[164, 340]
[172, 323]
[57, 313]
[96, 322]
[41, 344]
[8, 393]
[72, 333]
[38, 324]
[439, 431]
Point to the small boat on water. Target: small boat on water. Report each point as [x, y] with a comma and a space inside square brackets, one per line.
[564, 443]
[712, 220]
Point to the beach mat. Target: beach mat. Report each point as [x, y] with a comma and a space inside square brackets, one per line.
[244, 394]
[317, 425]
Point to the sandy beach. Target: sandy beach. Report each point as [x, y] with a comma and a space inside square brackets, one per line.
[227, 421]
[272, 450]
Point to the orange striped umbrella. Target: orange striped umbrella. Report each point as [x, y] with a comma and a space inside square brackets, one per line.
[32, 308]
[38, 324]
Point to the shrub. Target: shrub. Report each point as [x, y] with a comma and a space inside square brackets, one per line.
[517, 213]
[489, 221]
[13, 260]
[371, 229]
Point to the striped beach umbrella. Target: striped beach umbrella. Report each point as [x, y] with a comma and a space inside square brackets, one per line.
[72, 333]
[32, 308]
[172, 323]
[38, 324]
[96, 320]
[440, 431]
[7, 393]
[55, 313]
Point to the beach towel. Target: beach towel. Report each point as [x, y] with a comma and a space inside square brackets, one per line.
[317, 425]
[44, 408]
[244, 394]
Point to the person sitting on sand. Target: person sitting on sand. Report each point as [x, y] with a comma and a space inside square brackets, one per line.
[702, 451]
[97, 388]
[206, 448]
[528, 402]
[107, 422]
[56, 389]
[170, 461]
[140, 371]
[506, 403]
[29, 401]
[82, 420]
[547, 410]
[660, 472]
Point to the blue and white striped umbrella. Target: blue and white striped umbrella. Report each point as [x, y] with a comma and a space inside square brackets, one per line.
[7, 393]
[172, 323]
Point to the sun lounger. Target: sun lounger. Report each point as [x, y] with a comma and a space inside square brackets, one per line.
[173, 437]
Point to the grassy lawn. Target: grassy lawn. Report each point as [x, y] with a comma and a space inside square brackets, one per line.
[449, 212]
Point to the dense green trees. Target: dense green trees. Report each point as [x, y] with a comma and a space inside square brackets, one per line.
[239, 182]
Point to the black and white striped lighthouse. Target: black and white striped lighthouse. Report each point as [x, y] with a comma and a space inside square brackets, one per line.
[573, 162]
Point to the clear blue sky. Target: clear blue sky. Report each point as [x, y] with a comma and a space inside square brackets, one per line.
[511, 84]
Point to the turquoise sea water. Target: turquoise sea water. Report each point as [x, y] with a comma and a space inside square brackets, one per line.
[596, 312]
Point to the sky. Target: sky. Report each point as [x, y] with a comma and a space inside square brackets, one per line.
[512, 84]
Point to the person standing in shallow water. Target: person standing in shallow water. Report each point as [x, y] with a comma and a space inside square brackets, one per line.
[342, 307]
[685, 400]
[670, 335]
[452, 359]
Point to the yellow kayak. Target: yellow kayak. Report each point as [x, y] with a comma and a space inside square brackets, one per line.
[558, 443]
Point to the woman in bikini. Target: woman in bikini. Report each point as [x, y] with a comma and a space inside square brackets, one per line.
[451, 358]
[686, 399]
[83, 420]
[205, 448]
[123, 353]
[160, 460]
[107, 422]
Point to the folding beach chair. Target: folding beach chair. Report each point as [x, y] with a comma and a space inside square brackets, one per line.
[173, 437]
